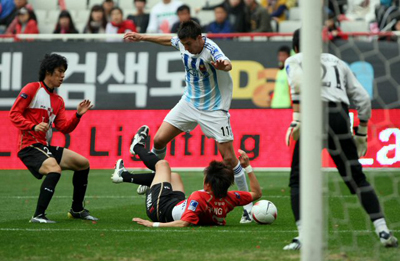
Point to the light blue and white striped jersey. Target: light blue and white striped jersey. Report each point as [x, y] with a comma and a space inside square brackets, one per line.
[207, 88]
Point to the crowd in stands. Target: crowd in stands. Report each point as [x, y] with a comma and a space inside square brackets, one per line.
[230, 16]
[378, 16]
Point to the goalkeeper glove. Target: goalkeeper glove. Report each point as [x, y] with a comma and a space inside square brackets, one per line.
[293, 131]
[360, 139]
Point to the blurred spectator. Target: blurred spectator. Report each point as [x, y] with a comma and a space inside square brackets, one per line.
[183, 13]
[396, 28]
[163, 16]
[337, 6]
[387, 14]
[361, 10]
[97, 21]
[331, 30]
[119, 26]
[221, 23]
[108, 5]
[26, 22]
[237, 15]
[14, 20]
[65, 25]
[281, 96]
[278, 8]
[140, 19]
[260, 20]
[6, 13]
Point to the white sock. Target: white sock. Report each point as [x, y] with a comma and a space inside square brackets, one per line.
[160, 153]
[380, 225]
[241, 183]
[298, 224]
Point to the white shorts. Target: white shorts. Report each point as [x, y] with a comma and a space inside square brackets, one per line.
[214, 124]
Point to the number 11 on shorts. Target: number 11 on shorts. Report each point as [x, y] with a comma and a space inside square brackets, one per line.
[223, 131]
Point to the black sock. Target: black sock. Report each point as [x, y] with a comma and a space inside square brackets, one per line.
[370, 202]
[46, 192]
[295, 200]
[79, 181]
[140, 178]
[149, 158]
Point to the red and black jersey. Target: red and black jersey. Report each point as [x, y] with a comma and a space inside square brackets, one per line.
[202, 208]
[35, 104]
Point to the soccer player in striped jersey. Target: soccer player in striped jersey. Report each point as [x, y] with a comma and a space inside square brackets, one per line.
[206, 99]
[339, 87]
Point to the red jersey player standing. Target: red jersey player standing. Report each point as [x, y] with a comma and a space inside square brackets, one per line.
[35, 110]
[166, 205]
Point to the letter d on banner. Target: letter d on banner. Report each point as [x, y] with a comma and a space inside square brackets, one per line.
[250, 68]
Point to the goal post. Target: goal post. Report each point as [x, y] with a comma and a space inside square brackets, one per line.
[311, 179]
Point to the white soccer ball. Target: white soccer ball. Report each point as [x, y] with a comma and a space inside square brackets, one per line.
[264, 212]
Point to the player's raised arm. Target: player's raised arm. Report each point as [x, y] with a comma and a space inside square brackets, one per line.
[158, 39]
[255, 189]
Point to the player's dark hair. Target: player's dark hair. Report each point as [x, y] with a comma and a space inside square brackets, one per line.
[220, 177]
[189, 29]
[117, 8]
[285, 49]
[296, 40]
[183, 8]
[50, 63]
[139, 1]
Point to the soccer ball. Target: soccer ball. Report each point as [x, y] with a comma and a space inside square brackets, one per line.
[264, 212]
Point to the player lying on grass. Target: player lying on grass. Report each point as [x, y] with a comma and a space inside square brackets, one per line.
[339, 87]
[35, 110]
[206, 100]
[166, 205]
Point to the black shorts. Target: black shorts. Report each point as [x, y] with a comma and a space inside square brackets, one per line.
[34, 155]
[160, 200]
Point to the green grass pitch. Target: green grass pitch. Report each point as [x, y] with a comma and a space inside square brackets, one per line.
[115, 237]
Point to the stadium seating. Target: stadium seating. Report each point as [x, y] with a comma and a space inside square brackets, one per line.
[45, 28]
[288, 26]
[52, 17]
[75, 4]
[354, 26]
[205, 17]
[294, 13]
[49, 5]
[82, 16]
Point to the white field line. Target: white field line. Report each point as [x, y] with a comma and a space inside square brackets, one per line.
[163, 230]
[134, 196]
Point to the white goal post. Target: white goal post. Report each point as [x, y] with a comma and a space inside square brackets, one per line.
[311, 180]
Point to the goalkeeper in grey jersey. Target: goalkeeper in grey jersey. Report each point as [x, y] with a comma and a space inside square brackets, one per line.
[339, 87]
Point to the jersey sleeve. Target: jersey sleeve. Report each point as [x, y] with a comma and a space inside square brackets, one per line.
[294, 71]
[21, 103]
[357, 94]
[194, 208]
[241, 198]
[62, 123]
[216, 52]
[175, 42]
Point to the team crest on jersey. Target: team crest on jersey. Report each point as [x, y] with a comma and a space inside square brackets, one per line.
[203, 70]
[24, 95]
[237, 195]
[193, 205]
